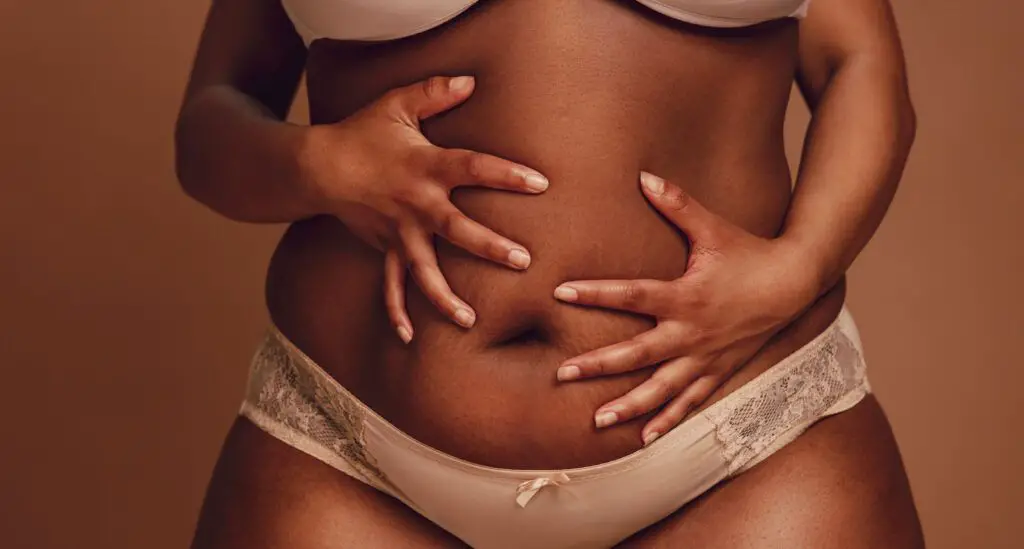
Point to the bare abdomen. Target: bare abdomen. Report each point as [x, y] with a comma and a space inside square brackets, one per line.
[588, 94]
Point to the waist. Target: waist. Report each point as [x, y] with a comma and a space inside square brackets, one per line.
[488, 394]
[548, 437]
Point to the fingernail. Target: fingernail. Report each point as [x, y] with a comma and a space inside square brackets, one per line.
[465, 317]
[460, 83]
[536, 182]
[568, 373]
[519, 258]
[653, 183]
[405, 334]
[651, 437]
[605, 419]
[566, 293]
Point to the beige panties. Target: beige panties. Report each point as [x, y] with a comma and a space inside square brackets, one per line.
[294, 400]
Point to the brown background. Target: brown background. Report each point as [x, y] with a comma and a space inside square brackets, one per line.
[129, 312]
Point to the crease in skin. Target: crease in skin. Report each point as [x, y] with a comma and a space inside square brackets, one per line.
[701, 109]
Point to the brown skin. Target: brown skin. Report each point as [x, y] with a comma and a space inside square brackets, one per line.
[707, 328]
[702, 108]
[853, 77]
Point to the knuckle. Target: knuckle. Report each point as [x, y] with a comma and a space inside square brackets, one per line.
[422, 271]
[495, 249]
[393, 98]
[695, 295]
[679, 412]
[474, 165]
[668, 418]
[447, 167]
[699, 337]
[394, 303]
[703, 393]
[667, 301]
[425, 201]
[677, 199]
[447, 222]
[417, 160]
[701, 301]
[633, 294]
[629, 409]
[404, 200]
[419, 270]
[590, 365]
[407, 232]
[433, 87]
[681, 409]
[662, 388]
[639, 354]
[441, 165]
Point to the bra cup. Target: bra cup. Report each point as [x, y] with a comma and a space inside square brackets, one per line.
[370, 19]
[726, 13]
[375, 20]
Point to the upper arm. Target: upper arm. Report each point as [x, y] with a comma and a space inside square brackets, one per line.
[249, 45]
[837, 33]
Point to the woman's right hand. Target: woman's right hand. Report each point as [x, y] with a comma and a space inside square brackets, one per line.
[379, 175]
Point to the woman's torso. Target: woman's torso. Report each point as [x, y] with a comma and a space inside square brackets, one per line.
[588, 92]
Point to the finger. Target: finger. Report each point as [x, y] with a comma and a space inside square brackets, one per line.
[465, 233]
[429, 97]
[394, 294]
[673, 414]
[459, 167]
[648, 348]
[679, 207]
[423, 263]
[650, 297]
[667, 382]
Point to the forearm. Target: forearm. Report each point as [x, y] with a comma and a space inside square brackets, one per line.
[861, 131]
[236, 157]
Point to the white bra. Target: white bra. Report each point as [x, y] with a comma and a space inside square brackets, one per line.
[376, 20]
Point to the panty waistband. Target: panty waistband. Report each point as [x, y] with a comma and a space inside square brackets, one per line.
[809, 381]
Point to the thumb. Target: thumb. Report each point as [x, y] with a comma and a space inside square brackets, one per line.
[679, 207]
[429, 97]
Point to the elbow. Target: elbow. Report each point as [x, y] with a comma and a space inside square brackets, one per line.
[194, 173]
[904, 134]
[181, 163]
[185, 170]
[907, 131]
[906, 114]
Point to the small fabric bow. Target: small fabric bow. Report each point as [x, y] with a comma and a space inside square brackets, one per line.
[529, 488]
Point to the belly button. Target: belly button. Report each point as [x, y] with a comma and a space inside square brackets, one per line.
[524, 335]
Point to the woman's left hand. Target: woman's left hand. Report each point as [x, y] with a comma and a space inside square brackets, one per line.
[737, 291]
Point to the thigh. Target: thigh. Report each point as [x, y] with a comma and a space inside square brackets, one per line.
[840, 485]
[265, 494]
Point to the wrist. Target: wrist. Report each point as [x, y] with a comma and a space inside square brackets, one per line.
[807, 272]
[307, 151]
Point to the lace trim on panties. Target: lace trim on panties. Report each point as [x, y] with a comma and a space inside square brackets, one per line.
[746, 427]
[750, 423]
[284, 391]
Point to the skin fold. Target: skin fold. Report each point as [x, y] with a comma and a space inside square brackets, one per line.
[708, 283]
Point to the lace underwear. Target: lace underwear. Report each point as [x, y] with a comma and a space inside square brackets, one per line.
[296, 401]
